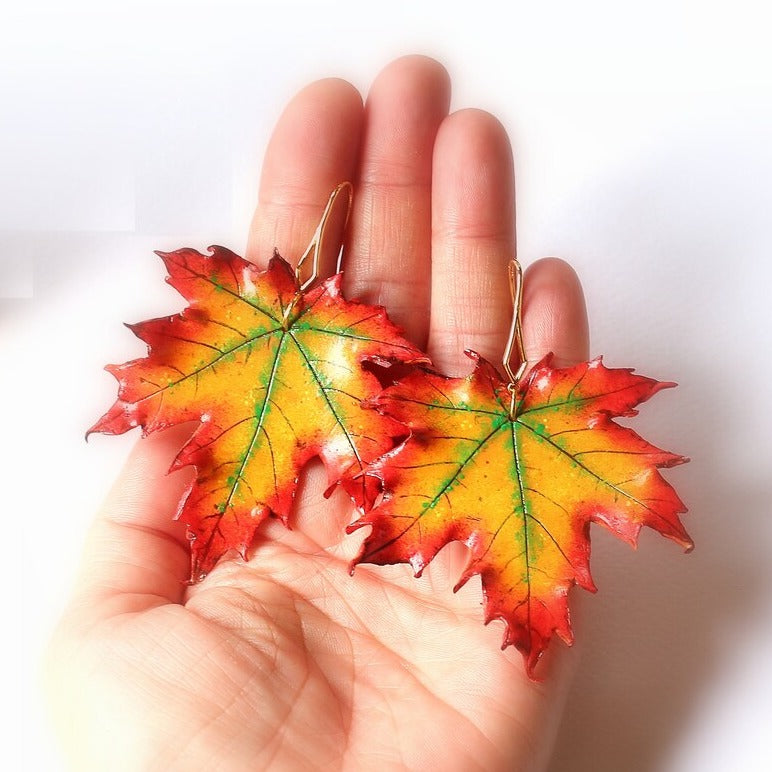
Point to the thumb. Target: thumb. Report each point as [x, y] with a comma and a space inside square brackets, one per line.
[136, 555]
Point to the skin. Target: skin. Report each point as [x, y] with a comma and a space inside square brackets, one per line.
[286, 661]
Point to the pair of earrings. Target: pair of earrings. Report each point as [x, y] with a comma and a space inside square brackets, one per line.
[270, 365]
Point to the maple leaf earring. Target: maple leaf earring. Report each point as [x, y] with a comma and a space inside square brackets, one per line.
[270, 364]
[517, 469]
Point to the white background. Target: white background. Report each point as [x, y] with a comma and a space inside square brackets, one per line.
[642, 137]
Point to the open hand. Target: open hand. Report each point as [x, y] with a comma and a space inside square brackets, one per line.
[287, 662]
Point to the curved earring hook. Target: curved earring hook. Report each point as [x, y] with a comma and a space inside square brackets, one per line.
[313, 250]
[515, 340]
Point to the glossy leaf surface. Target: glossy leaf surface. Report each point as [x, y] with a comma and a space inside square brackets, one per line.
[273, 376]
[519, 488]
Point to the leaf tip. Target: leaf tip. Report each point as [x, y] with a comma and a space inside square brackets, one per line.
[530, 645]
[168, 258]
[418, 564]
[531, 660]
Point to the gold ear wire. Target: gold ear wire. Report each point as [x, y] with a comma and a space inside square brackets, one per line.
[515, 340]
[313, 250]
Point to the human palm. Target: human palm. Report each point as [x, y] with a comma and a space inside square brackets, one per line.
[286, 661]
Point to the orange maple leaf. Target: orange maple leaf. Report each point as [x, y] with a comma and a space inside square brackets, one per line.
[519, 478]
[274, 377]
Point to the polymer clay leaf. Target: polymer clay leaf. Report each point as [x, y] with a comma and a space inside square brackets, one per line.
[521, 488]
[274, 377]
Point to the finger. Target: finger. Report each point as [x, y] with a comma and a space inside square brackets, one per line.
[473, 239]
[389, 246]
[554, 313]
[136, 554]
[313, 148]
